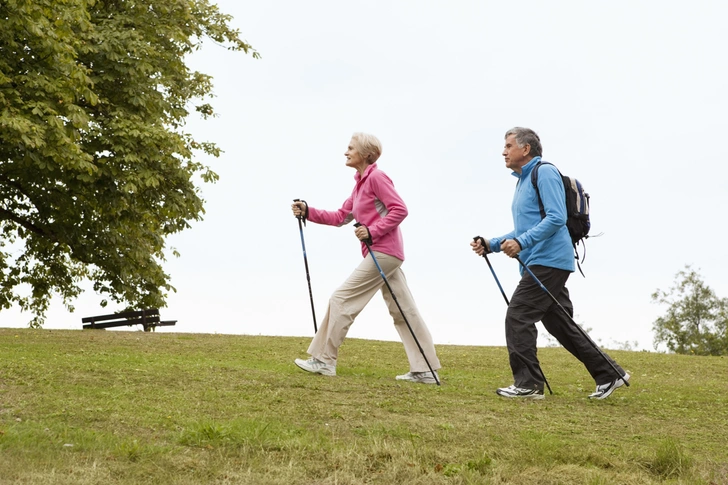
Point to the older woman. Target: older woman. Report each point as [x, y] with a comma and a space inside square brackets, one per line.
[376, 205]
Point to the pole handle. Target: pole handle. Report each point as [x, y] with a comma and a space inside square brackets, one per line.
[482, 243]
[302, 218]
[368, 240]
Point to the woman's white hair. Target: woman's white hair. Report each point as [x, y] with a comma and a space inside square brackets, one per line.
[368, 146]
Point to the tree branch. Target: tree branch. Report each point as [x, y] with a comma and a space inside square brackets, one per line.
[7, 215]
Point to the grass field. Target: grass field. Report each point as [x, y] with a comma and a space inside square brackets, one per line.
[103, 407]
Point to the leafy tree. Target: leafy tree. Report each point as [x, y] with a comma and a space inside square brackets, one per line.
[696, 321]
[96, 168]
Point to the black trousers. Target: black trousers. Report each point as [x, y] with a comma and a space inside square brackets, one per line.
[531, 304]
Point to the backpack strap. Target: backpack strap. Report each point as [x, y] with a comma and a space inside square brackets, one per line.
[534, 182]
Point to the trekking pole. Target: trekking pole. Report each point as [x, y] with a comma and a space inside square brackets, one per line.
[609, 361]
[485, 255]
[376, 263]
[308, 276]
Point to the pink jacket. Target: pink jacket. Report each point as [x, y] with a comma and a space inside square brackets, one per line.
[375, 204]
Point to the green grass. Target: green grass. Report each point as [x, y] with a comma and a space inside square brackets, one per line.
[92, 407]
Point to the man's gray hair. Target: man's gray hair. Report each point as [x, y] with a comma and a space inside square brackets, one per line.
[526, 136]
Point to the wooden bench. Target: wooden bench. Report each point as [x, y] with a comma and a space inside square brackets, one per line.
[149, 319]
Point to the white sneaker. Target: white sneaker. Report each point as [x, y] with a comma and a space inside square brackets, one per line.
[315, 366]
[514, 392]
[420, 377]
[605, 390]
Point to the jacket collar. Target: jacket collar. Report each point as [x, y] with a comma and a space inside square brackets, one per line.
[526, 169]
[369, 170]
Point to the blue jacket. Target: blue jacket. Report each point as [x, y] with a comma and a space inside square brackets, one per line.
[544, 242]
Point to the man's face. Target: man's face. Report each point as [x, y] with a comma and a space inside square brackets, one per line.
[515, 157]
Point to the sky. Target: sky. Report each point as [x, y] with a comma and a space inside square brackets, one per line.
[628, 97]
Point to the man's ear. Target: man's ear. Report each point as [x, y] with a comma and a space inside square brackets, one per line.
[528, 151]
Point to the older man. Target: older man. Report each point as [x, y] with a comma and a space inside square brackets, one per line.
[544, 245]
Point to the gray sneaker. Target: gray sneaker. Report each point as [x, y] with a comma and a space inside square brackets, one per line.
[315, 366]
[419, 377]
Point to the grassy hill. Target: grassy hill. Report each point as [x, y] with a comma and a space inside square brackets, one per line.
[103, 407]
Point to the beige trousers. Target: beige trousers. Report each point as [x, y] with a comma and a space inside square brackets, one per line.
[351, 298]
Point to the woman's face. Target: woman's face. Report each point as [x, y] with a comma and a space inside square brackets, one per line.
[354, 159]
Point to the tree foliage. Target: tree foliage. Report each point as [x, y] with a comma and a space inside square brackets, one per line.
[696, 321]
[96, 168]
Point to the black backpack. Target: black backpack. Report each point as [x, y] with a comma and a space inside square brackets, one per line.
[577, 210]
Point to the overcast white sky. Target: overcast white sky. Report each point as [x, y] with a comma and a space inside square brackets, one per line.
[627, 96]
